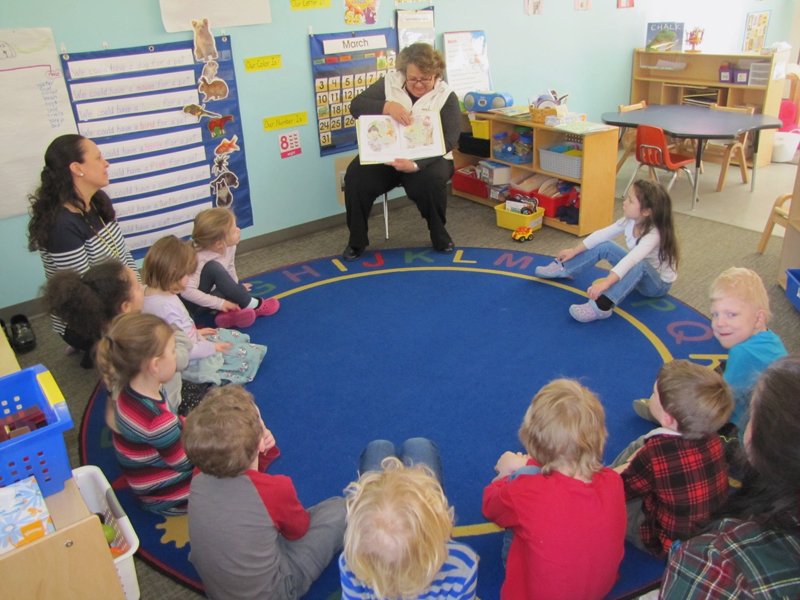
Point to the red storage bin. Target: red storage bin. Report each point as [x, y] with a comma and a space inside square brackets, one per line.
[551, 204]
[466, 180]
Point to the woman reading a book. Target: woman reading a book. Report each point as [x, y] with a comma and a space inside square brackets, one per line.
[415, 88]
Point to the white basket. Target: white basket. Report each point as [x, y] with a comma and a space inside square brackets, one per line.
[561, 164]
[100, 498]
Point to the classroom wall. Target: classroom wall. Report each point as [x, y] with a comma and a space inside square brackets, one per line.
[587, 54]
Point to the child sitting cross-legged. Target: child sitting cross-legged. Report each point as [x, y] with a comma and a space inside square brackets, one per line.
[566, 511]
[399, 522]
[251, 537]
[676, 475]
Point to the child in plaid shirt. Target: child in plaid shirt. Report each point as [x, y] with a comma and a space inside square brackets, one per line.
[676, 475]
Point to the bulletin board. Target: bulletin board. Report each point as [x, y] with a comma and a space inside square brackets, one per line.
[167, 119]
[343, 66]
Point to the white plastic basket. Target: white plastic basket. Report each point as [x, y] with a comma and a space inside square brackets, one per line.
[100, 498]
[560, 164]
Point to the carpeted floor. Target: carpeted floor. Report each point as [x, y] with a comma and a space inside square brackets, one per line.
[707, 249]
[408, 343]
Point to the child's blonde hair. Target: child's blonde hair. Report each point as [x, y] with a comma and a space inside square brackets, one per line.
[167, 262]
[398, 525]
[131, 340]
[743, 284]
[695, 396]
[222, 434]
[564, 429]
[211, 226]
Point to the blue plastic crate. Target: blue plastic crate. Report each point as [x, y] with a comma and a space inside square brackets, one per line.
[793, 287]
[41, 453]
[516, 159]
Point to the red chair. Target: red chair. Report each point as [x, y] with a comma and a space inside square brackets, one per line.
[652, 150]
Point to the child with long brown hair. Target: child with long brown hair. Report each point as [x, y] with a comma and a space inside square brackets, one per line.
[649, 265]
[214, 285]
[137, 356]
[217, 354]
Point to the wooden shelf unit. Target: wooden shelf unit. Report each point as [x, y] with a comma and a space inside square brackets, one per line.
[598, 175]
[790, 253]
[665, 86]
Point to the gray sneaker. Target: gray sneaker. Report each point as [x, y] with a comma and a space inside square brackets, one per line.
[555, 270]
[642, 408]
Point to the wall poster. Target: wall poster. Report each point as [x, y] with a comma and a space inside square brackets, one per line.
[167, 119]
[343, 66]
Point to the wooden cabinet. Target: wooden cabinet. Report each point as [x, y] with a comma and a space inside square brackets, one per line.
[693, 78]
[790, 254]
[597, 180]
[72, 563]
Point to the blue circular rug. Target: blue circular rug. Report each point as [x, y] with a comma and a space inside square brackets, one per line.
[407, 343]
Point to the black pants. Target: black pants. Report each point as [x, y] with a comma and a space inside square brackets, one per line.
[77, 341]
[215, 277]
[427, 188]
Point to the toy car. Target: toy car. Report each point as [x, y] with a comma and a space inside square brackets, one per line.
[522, 234]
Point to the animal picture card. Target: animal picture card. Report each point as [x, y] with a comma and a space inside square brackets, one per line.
[381, 139]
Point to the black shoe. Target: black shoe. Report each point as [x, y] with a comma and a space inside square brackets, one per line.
[448, 248]
[351, 253]
[22, 337]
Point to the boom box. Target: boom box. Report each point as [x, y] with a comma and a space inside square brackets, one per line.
[483, 101]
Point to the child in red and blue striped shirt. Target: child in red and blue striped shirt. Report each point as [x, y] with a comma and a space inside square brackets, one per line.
[137, 356]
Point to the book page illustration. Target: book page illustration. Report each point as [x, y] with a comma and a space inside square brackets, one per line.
[381, 139]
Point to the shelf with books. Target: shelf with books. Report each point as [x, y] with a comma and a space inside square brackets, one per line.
[597, 176]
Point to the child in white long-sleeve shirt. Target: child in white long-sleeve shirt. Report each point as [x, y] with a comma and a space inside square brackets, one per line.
[649, 265]
[214, 284]
[217, 354]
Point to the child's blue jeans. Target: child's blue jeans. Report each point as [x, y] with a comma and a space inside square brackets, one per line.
[642, 277]
[413, 451]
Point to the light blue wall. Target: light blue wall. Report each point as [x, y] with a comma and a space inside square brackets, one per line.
[588, 54]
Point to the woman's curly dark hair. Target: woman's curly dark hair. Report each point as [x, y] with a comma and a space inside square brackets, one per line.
[57, 190]
[87, 303]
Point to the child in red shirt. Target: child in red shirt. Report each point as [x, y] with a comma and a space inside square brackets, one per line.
[566, 511]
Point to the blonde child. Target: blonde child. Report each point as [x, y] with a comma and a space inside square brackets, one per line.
[566, 511]
[217, 354]
[676, 475]
[214, 284]
[137, 356]
[739, 318]
[251, 536]
[648, 266]
[397, 543]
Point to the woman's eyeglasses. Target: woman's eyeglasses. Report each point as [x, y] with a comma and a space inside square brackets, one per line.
[416, 80]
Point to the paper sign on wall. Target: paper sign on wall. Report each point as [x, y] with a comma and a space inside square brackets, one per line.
[177, 15]
[290, 144]
[36, 111]
[467, 59]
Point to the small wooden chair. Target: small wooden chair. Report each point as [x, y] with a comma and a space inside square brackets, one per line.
[723, 153]
[627, 135]
[778, 216]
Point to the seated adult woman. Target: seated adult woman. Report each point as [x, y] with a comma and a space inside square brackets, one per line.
[415, 88]
[754, 551]
[73, 222]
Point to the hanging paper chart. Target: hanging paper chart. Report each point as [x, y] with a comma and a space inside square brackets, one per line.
[344, 65]
[167, 119]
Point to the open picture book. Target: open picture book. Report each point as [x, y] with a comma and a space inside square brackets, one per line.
[381, 139]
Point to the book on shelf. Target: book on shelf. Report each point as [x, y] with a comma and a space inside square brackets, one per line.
[381, 139]
[664, 37]
[582, 127]
[512, 111]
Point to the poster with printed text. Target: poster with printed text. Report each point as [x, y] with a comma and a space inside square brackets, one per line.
[467, 58]
[36, 109]
[755, 31]
[344, 65]
[167, 119]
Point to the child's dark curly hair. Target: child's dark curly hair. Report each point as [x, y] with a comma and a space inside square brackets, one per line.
[87, 303]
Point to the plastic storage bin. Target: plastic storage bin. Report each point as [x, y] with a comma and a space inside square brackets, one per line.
[41, 453]
[480, 128]
[561, 164]
[786, 143]
[100, 498]
[467, 180]
[793, 287]
[511, 220]
[759, 73]
[550, 204]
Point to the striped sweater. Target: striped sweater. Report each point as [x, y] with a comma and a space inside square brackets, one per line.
[148, 448]
[74, 245]
[456, 580]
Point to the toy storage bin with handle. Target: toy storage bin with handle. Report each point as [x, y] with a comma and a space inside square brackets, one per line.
[511, 220]
[786, 143]
[560, 163]
[100, 498]
[41, 452]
